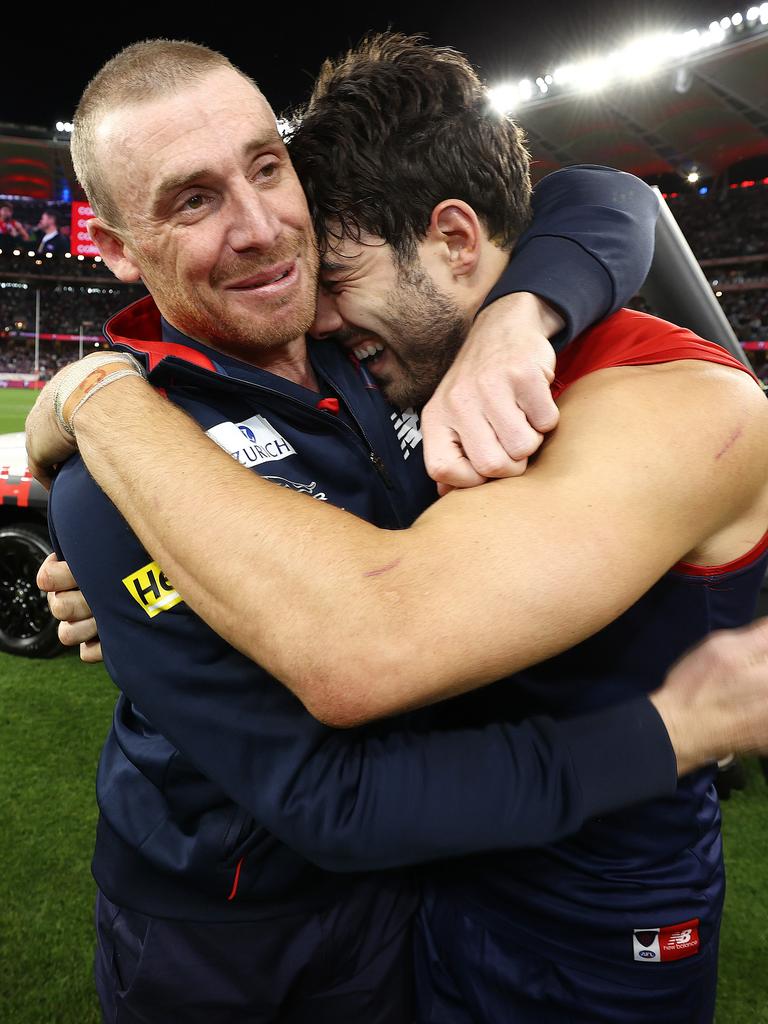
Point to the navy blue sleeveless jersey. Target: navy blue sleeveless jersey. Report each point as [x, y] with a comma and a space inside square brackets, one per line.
[641, 887]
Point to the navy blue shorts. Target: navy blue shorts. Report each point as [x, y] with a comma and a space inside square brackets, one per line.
[322, 967]
[468, 973]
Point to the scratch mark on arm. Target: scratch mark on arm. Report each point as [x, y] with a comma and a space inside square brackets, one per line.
[730, 442]
[383, 569]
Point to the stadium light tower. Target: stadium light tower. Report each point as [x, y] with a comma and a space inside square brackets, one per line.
[639, 58]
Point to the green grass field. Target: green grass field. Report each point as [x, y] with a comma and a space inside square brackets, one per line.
[54, 716]
[15, 403]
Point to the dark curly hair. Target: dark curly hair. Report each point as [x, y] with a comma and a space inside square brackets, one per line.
[394, 127]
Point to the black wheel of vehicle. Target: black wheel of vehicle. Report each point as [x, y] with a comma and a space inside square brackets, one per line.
[26, 624]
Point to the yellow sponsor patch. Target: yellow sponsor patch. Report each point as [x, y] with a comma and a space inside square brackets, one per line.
[150, 589]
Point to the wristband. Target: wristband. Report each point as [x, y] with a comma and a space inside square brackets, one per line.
[76, 375]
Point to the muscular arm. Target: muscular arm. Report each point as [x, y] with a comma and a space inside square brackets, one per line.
[486, 582]
[442, 783]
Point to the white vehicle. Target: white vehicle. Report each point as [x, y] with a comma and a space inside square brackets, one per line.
[26, 624]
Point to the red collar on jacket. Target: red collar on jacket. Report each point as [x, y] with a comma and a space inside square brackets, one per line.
[138, 327]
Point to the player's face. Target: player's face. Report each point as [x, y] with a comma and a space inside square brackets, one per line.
[394, 318]
[5, 213]
[215, 221]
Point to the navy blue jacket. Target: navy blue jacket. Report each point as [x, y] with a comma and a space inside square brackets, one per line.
[219, 794]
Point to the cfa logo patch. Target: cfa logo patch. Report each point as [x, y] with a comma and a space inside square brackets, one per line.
[675, 942]
[151, 590]
[251, 442]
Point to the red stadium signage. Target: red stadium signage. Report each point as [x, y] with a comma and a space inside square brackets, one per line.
[81, 242]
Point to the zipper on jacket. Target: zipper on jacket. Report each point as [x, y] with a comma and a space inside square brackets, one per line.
[381, 469]
[376, 459]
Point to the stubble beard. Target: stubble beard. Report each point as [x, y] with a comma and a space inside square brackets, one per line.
[240, 335]
[429, 329]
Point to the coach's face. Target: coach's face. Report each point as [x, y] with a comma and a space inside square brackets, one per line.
[214, 220]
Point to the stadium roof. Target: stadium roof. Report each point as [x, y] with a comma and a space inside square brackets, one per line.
[704, 115]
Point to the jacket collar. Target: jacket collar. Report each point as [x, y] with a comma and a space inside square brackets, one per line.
[139, 328]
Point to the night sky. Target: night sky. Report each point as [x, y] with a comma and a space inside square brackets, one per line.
[42, 72]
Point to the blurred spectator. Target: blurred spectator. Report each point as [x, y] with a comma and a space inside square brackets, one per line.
[48, 237]
[734, 225]
[9, 226]
[18, 355]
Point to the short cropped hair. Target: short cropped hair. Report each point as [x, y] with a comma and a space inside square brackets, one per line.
[394, 127]
[137, 74]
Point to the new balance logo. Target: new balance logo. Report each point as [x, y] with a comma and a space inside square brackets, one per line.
[674, 942]
[408, 431]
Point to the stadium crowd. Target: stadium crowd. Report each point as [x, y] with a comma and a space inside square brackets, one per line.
[18, 356]
[75, 292]
[64, 307]
[733, 224]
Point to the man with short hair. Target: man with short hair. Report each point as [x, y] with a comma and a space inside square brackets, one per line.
[372, 798]
[49, 238]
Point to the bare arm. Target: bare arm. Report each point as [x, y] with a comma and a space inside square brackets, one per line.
[486, 582]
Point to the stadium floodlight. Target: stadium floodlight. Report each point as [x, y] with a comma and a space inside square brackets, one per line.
[686, 42]
[31, 252]
[97, 259]
[67, 255]
[593, 75]
[16, 252]
[764, 14]
[81, 257]
[713, 36]
[504, 98]
[693, 177]
[49, 255]
[639, 58]
[524, 89]
[643, 56]
[59, 126]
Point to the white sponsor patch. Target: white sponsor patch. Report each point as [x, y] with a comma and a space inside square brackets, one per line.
[646, 943]
[252, 442]
[408, 431]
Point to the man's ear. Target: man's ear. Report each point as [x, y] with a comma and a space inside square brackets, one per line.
[454, 226]
[114, 251]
